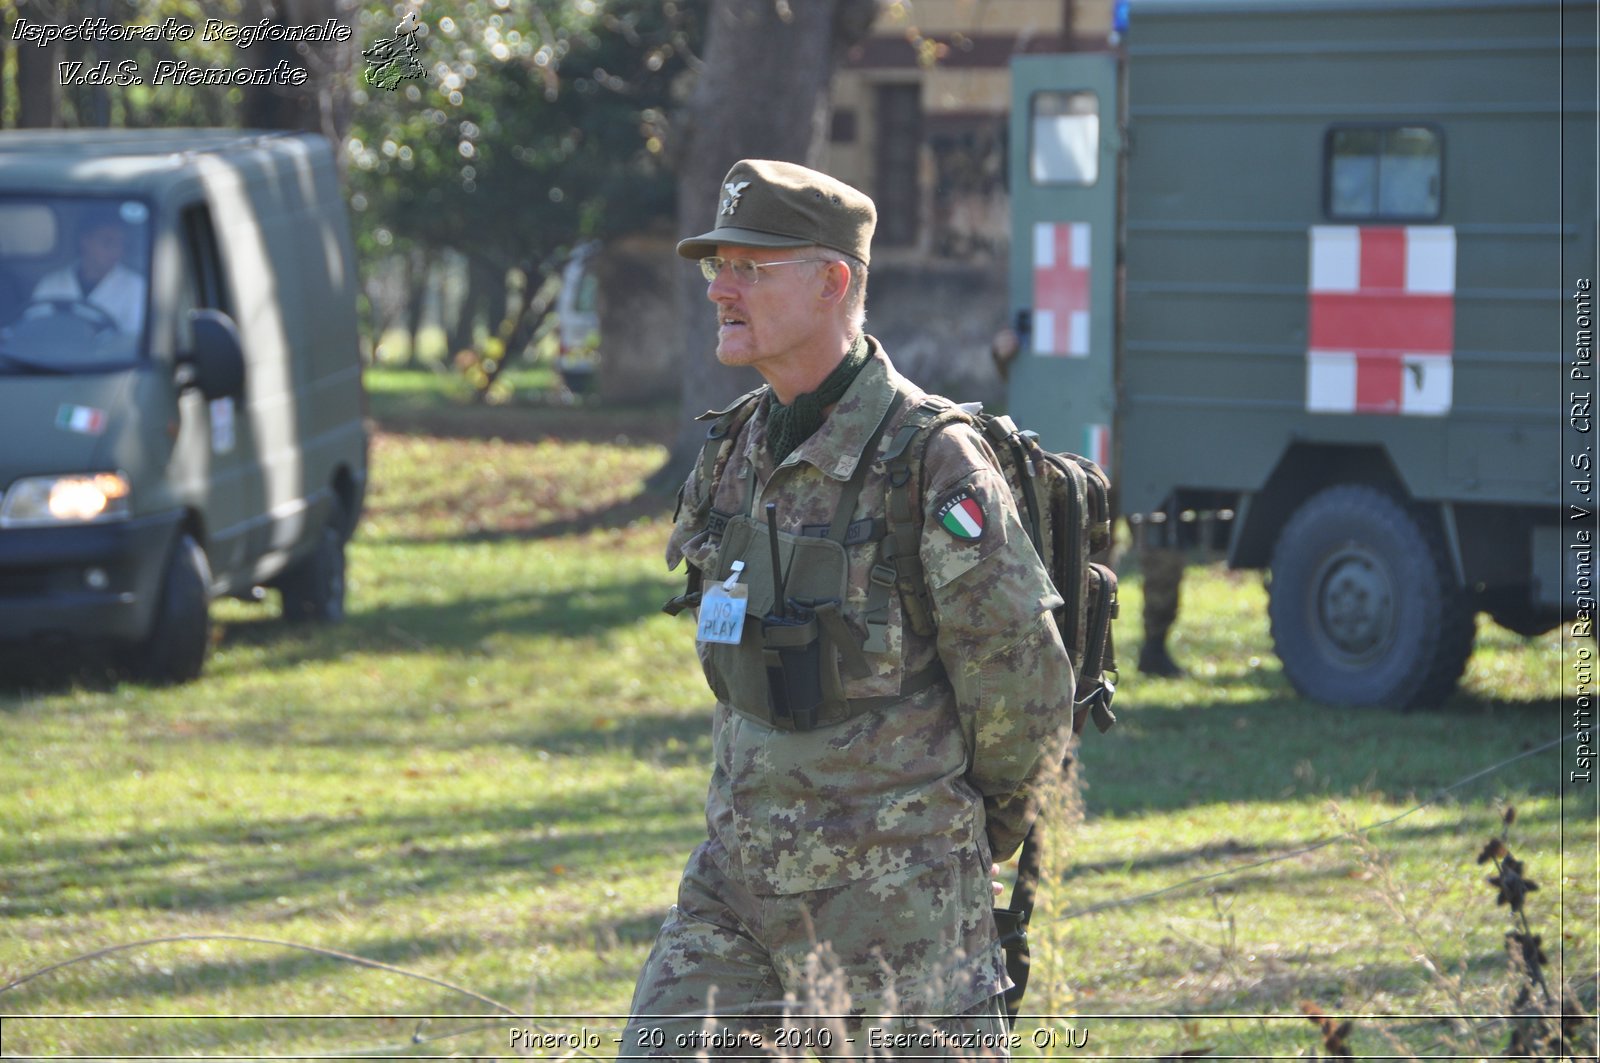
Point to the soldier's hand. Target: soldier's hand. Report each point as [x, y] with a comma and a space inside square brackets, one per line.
[994, 873]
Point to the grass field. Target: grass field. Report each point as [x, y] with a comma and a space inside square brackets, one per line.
[490, 775]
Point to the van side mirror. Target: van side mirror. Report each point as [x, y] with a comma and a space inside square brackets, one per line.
[215, 365]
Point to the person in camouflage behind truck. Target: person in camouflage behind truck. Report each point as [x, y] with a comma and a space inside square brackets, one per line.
[864, 777]
[1163, 584]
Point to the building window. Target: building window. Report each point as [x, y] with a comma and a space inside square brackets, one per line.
[842, 129]
[969, 193]
[1383, 173]
[1066, 138]
[899, 147]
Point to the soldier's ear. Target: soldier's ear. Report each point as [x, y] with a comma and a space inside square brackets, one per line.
[835, 281]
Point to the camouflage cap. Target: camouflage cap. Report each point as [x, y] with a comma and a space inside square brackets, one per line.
[782, 204]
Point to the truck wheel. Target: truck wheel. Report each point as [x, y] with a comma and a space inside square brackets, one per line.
[175, 649]
[313, 590]
[1364, 609]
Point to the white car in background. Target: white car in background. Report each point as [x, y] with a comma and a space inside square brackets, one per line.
[578, 320]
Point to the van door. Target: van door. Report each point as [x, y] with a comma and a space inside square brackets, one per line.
[1064, 164]
[229, 483]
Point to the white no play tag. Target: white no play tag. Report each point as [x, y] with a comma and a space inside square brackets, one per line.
[722, 612]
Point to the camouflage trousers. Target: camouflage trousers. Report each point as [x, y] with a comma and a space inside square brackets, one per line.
[1163, 580]
[903, 964]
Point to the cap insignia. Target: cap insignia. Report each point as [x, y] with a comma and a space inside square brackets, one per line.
[730, 204]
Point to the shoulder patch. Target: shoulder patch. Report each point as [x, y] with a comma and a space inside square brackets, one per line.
[961, 514]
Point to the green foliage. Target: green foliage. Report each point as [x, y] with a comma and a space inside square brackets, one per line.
[145, 105]
[537, 126]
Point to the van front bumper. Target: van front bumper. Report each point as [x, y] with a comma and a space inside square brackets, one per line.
[84, 581]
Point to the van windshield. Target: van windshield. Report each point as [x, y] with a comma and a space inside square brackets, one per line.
[73, 291]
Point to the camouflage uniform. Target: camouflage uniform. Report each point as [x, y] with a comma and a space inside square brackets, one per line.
[864, 847]
[1162, 567]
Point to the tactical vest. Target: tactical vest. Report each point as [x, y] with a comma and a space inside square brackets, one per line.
[791, 675]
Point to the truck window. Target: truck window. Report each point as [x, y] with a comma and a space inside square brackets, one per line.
[1066, 138]
[1376, 173]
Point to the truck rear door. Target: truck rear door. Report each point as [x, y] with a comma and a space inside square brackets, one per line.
[1064, 155]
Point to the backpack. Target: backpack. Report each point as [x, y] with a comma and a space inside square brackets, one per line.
[1064, 501]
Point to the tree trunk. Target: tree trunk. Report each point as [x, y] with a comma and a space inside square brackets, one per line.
[38, 94]
[419, 274]
[638, 278]
[482, 276]
[763, 94]
[322, 103]
[496, 300]
[515, 330]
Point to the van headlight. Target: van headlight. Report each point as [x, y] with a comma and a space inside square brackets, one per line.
[43, 500]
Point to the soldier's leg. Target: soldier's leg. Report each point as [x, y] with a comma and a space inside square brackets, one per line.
[707, 983]
[1163, 576]
[912, 952]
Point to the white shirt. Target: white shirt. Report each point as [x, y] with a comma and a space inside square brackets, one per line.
[120, 293]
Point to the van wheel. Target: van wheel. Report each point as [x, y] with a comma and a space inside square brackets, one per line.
[1364, 609]
[175, 649]
[313, 590]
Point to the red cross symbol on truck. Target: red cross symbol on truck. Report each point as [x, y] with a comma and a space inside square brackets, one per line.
[1061, 288]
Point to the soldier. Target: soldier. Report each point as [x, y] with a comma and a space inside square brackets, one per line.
[864, 774]
[1162, 567]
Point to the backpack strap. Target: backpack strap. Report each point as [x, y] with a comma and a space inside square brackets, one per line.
[839, 529]
[1002, 433]
[714, 455]
[718, 447]
[1096, 687]
[899, 560]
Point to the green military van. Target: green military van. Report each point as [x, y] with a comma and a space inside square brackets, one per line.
[181, 408]
[1320, 267]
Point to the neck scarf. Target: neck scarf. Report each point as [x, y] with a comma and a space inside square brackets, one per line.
[789, 426]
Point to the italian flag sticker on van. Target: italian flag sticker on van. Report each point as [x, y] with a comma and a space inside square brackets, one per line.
[85, 420]
[961, 515]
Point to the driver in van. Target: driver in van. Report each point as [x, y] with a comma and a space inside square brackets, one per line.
[98, 277]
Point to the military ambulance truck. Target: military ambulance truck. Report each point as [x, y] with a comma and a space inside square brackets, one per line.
[1305, 263]
[181, 411]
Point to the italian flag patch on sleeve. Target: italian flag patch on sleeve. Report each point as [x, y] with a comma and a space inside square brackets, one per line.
[961, 514]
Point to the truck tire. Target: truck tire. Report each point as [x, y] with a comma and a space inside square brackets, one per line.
[175, 649]
[1363, 606]
[313, 590]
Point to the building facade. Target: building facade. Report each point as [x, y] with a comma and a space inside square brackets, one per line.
[919, 117]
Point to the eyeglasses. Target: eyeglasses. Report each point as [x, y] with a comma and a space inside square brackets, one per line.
[745, 271]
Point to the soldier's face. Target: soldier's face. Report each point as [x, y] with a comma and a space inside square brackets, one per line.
[773, 318]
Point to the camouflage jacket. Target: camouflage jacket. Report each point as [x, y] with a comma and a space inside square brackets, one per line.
[947, 767]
